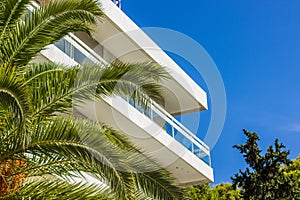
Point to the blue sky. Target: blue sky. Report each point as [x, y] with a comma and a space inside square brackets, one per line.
[256, 47]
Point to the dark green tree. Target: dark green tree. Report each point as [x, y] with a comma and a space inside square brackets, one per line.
[199, 192]
[293, 171]
[223, 191]
[265, 178]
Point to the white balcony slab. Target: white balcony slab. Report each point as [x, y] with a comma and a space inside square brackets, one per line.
[126, 41]
[186, 167]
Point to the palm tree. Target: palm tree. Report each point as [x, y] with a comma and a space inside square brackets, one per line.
[43, 147]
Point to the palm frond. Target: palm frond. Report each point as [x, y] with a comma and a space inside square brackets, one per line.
[55, 89]
[82, 143]
[45, 25]
[46, 151]
[67, 147]
[11, 11]
[151, 179]
[47, 187]
[14, 96]
[139, 81]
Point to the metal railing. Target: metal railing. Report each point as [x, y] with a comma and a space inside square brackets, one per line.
[77, 50]
[153, 111]
[175, 129]
[117, 2]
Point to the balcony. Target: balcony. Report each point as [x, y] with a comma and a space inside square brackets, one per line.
[117, 2]
[167, 140]
[82, 54]
[175, 129]
[77, 50]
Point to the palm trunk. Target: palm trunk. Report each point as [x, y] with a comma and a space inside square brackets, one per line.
[9, 180]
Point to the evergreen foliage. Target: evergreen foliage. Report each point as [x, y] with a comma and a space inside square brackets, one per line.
[265, 178]
[271, 176]
[223, 191]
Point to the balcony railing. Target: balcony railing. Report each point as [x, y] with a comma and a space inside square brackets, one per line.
[77, 50]
[175, 129]
[81, 53]
[117, 2]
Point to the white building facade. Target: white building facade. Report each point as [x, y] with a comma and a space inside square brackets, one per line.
[155, 130]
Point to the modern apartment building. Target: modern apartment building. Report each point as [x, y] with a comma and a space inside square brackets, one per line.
[155, 130]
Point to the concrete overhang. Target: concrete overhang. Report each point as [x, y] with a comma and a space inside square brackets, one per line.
[117, 33]
[185, 167]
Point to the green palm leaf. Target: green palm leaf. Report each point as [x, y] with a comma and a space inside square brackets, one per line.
[11, 12]
[68, 147]
[14, 98]
[55, 88]
[43, 148]
[45, 25]
[54, 188]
